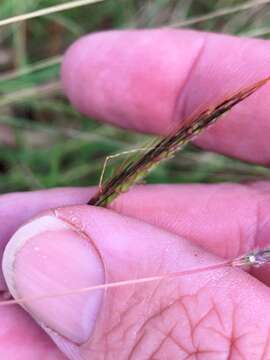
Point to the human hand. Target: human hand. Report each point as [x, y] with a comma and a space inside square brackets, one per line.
[147, 81]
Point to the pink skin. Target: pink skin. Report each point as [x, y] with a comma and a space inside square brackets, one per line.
[150, 80]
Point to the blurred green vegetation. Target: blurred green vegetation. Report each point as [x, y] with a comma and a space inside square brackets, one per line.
[44, 142]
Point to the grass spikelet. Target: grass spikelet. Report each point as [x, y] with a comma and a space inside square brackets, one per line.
[165, 148]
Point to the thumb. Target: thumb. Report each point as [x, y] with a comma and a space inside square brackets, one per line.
[77, 247]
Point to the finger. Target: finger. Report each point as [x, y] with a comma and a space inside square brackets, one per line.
[150, 80]
[17, 208]
[22, 339]
[19, 333]
[225, 219]
[211, 313]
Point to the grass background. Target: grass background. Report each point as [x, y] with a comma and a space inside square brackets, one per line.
[45, 143]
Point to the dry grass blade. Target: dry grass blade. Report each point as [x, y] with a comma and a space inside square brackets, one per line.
[33, 92]
[135, 170]
[44, 64]
[221, 12]
[49, 10]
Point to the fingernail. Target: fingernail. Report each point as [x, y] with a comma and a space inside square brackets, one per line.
[48, 256]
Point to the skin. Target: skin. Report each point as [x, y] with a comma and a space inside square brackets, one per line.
[223, 314]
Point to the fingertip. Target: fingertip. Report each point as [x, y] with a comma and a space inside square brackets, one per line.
[149, 80]
[69, 70]
[77, 67]
[47, 256]
[130, 78]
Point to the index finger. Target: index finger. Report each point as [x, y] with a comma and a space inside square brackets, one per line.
[152, 79]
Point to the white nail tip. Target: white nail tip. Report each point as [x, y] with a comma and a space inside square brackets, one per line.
[21, 236]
